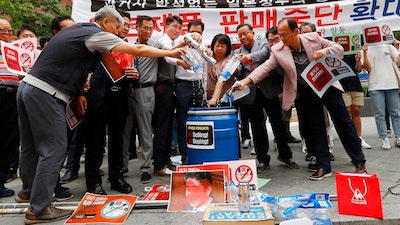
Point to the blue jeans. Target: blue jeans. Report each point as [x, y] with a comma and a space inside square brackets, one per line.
[390, 99]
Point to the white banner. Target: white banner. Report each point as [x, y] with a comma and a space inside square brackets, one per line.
[329, 17]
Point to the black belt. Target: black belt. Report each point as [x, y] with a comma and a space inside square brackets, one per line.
[144, 85]
[8, 89]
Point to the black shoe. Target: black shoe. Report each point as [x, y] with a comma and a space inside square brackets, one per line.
[6, 192]
[332, 157]
[289, 163]
[62, 194]
[262, 168]
[68, 177]
[101, 172]
[12, 175]
[312, 167]
[96, 189]
[145, 177]
[292, 139]
[121, 185]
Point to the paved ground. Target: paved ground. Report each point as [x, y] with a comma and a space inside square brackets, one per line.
[284, 181]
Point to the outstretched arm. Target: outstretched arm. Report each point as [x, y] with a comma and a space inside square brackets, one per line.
[147, 51]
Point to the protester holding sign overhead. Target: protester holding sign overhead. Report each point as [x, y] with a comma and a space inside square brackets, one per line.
[294, 53]
[56, 78]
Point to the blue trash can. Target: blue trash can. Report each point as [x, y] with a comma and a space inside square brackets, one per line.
[212, 135]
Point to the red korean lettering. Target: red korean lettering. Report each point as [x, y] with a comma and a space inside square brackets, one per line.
[325, 16]
[300, 14]
[229, 19]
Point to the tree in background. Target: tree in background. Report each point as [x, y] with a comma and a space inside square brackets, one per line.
[35, 13]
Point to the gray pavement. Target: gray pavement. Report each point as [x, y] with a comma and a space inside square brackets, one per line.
[284, 181]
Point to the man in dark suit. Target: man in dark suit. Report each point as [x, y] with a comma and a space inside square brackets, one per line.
[293, 54]
[253, 53]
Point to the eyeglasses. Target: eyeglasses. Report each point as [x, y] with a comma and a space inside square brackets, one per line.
[2, 30]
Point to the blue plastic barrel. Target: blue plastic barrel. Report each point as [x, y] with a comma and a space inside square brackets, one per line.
[212, 135]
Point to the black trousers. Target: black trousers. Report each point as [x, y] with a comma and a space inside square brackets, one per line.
[9, 132]
[111, 113]
[274, 112]
[259, 130]
[162, 124]
[313, 127]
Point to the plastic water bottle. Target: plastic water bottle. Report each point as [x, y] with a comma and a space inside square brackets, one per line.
[321, 217]
[200, 48]
[229, 68]
[188, 60]
[194, 63]
[240, 93]
[244, 204]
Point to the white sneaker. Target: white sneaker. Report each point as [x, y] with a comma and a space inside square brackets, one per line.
[397, 142]
[365, 144]
[386, 144]
[253, 152]
[246, 143]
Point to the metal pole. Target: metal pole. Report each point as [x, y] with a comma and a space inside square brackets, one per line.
[20, 208]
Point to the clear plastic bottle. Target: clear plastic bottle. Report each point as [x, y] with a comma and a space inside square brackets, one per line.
[229, 68]
[321, 217]
[244, 204]
[188, 60]
[200, 49]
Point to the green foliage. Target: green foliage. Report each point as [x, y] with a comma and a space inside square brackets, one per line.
[35, 13]
[396, 34]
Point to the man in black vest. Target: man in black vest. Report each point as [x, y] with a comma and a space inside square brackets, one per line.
[57, 77]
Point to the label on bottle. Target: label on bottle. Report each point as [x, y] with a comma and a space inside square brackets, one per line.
[225, 75]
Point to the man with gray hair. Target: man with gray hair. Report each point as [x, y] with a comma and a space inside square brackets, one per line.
[56, 78]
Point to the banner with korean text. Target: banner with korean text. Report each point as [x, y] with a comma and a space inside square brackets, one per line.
[223, 16]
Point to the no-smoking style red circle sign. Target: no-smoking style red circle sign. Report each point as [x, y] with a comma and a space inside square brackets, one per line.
[244, 173]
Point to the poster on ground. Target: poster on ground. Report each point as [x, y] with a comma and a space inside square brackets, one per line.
[193, 191]
[102, 209]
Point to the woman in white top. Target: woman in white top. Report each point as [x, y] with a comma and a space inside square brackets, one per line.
[383, 87]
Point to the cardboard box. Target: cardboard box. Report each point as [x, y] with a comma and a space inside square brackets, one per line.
[227, 213]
